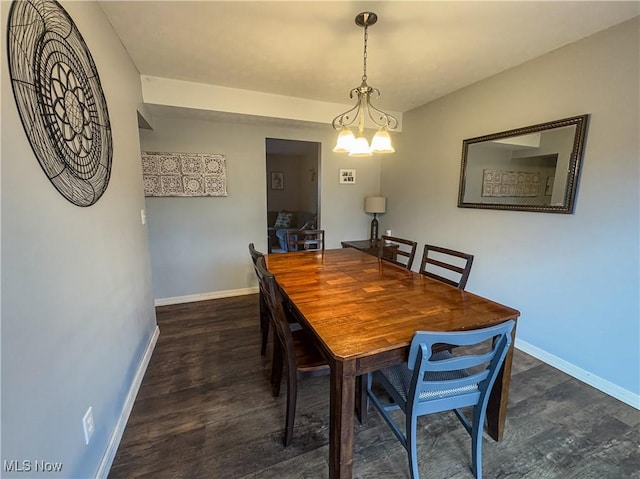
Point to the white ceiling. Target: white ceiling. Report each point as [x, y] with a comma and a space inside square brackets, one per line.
[418, 50]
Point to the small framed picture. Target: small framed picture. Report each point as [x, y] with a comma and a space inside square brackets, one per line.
[277, 180]
[348, 177]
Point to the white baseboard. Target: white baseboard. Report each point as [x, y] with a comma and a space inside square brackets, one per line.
[116, 437]
[597, 382]
[190, 298]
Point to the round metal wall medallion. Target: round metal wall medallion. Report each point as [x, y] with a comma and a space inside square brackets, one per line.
[60, 99]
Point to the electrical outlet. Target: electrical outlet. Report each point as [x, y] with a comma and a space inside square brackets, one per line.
[87, 425]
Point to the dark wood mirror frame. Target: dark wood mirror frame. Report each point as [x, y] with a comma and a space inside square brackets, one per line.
[496, 172]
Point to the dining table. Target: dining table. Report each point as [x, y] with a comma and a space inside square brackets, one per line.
[362, 311]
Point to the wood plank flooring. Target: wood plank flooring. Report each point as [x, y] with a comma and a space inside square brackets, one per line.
[205, 410]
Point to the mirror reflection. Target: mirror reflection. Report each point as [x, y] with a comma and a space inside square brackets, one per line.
[532, 169]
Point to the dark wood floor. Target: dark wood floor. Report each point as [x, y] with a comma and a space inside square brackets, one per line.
[205, 410]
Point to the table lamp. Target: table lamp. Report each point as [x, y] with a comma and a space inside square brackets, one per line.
[375, 205]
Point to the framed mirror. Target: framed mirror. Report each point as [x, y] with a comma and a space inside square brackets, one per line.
[535, 168]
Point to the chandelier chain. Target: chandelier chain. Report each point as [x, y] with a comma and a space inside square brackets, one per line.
[364, 55]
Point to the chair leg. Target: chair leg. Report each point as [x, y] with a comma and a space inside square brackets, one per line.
[276, 368]
[411, 427]
[368, 384]
[363, 386]
[476, 442]
[292, 395]
[264, 325]
[265, 336]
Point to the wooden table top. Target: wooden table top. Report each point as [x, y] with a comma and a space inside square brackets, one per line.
[359, 305]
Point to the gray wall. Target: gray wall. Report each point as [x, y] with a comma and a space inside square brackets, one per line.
[574, 277]
[77, 306]
[199, 245]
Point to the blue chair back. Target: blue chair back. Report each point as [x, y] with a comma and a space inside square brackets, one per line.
[445, 380]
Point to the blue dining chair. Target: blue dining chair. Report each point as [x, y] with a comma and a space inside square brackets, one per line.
[435, 380]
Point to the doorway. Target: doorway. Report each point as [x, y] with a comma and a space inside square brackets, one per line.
[293, 187]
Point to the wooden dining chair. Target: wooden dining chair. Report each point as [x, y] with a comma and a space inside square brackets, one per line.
[305, 240]
[446, 265]
[433, 381]
[294, 351]
[264, 314]
[294, 323]
[392, 247]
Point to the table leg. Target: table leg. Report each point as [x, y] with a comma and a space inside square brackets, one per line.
[342, 403]
[497, 407]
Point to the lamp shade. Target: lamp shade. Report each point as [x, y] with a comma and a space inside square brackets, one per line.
[360, 147]
[381, 143]
[375, 204]
[345, 142]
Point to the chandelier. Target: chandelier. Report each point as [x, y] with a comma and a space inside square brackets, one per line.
[357, 145]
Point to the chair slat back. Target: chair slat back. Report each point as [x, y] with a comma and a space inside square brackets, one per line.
[440, 263]
[264, 313]
[274, 299]
[305, 240]
[255, 254]
[391, 247]
[443, 380]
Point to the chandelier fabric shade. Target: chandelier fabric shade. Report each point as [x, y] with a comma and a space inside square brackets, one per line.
[364, 111]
